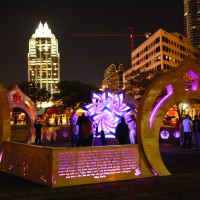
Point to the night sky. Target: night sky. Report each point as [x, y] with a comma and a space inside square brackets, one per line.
[82, 58]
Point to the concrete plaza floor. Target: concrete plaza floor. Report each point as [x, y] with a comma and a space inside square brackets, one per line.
[184, 183]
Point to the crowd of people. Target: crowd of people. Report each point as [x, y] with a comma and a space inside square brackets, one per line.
[190, 130]
[82, 132]
[126, 133]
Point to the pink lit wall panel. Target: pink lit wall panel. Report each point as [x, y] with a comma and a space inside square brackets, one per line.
[63, 166]
[94, 165]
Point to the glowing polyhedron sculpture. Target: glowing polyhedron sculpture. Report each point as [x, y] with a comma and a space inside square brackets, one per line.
[107, 109]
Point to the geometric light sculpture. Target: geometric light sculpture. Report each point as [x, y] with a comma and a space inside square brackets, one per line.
[107, 109]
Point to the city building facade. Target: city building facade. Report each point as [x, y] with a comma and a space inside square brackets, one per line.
[44, 59]
[162, 51]
[113, 77]
[192, 22]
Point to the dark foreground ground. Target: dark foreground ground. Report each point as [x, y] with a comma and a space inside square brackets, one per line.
[184, 183]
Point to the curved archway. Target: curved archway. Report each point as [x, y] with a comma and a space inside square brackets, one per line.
[17, 99]
[149, 116]
[5, 128]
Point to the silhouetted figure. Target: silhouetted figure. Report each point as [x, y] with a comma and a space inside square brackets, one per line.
[38, 131]
[24, 120]
[74, 130]
[196, 132]
[122, 132]
[56, 120]
[79, 122]
[61, 121]
[87, 131]
[181, 131]
[47, 121]
[103, 139]
[15, 119]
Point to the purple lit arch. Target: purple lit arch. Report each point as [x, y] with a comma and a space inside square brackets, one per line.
[149, 116]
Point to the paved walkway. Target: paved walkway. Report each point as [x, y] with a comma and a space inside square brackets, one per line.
[184, 183]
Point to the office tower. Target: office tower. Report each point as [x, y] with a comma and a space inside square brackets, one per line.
[44, 59]
[192, 21]
[113, 77]
[162, 51]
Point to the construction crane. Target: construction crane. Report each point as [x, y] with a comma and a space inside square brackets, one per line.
[131, 36]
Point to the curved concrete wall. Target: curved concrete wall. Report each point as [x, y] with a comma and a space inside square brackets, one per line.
[5, 128]
[148, 135]
[27, 105]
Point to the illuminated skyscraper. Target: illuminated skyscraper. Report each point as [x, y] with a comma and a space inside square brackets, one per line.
[192, 21]
[44, 59]
[113, 77]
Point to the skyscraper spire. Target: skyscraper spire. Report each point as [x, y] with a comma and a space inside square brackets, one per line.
[44, 59]
[43, 30]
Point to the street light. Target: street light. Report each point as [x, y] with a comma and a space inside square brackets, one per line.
[185, 105]
[103, 87]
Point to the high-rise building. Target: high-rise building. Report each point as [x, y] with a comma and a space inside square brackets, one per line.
[162, 51]
[192, 22]
[44, 59]
[113, 77]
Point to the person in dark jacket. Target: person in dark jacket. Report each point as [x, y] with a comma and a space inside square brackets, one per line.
[38, 131]
[103, 139]
[196, 132]
[122, 132]
[79, 122]
[87, 131]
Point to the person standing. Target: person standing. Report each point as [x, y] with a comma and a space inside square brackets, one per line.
[122, 132]
[74, 130]
[181, 131]
[196, 132]
[61, 121]
[103, 138]
[187, 131]
[79, 122]
[132, 134]
[38, 131]
[87, 130]
[15, 119]
[47, 121]
[56, 120]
